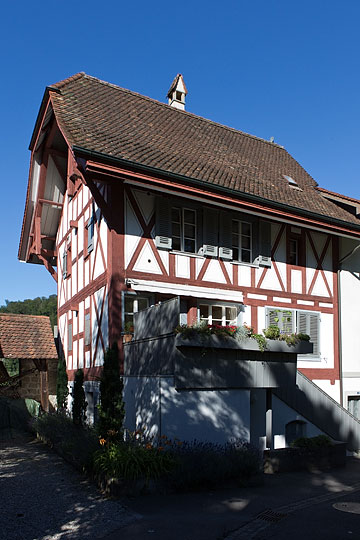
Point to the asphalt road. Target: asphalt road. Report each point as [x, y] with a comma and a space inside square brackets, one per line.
[43, 498]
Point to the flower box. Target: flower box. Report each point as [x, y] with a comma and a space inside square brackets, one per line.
[249, 344]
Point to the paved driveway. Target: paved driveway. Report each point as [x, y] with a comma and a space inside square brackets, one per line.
[43, 498]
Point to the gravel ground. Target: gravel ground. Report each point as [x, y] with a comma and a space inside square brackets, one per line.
[43, 498]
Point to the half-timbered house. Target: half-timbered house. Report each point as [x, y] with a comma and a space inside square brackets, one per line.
[131, 202]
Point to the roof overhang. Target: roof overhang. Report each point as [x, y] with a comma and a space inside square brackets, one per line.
[105, 167]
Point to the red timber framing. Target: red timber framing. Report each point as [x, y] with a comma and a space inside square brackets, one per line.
[35, 246]
[261, 296]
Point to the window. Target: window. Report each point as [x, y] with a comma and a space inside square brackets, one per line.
[133, 304]
[301, 322]
[183, 223]
[212, 232]
[87, 336]
[89, 235]
[354, 406]
[219, 314]
[67, 262]
[241, 241]
[294, 430]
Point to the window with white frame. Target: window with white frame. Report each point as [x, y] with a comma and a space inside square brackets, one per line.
[222, 315]
[183, 226]
[133, 304]
[242, 241]
[300, 322]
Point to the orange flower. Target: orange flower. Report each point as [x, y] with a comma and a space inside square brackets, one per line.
[102, 441]
[160, 448]
[148, 446]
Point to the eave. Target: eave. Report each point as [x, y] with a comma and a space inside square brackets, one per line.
[99, 165]
[37, 241]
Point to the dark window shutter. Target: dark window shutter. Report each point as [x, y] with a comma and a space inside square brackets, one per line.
[265, 238]
[211, 230]
[225, 248]
[315, 332]
[64, 261]
[255, 240]
[309, 323]
[90, 233]
[163, 238]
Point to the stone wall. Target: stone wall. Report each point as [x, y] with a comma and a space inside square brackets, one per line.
[30, 383]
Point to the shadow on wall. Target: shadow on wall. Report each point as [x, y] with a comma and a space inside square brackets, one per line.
[321, 410]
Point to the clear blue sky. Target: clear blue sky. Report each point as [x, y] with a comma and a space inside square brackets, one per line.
[284, 69]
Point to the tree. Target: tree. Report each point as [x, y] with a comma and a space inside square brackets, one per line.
[111, 408]
[79, 403]
[62, 390]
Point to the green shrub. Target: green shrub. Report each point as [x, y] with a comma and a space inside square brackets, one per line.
[273, 332]
[111, 408]
[129, 461]
[79, 403]
[62, 390]
[76, 444]
[201, 465]
[320, 441]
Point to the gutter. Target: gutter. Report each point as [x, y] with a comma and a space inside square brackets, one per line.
[99, 156]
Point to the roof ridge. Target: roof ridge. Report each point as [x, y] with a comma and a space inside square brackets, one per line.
[341, 195]
[68, 80]
[177, 111]
[5, 313]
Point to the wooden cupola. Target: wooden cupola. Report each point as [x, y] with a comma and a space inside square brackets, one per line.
[177, 93]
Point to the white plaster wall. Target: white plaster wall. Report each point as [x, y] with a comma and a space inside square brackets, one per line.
[215, 416]
[332, 389]
[350, 320]
[81, 353]
[142, 404]
[206, 415]
[182, 266]
[282, 415]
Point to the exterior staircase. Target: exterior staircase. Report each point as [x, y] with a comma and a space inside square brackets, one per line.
[321, 410]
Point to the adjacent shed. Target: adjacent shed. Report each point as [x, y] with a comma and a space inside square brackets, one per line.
[29, 340]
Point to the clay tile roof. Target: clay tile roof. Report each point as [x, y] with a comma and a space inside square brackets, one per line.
[104, 118]
[26, 336]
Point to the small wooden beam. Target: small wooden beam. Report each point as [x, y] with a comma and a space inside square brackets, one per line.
[37, 236]
[49, 267]
[51, 203]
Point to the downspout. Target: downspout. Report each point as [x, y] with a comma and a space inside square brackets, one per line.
[347, 256]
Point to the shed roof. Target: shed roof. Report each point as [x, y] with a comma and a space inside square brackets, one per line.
[26, 336]
[104, 118]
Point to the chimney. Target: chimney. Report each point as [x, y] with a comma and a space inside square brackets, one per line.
[177, 93]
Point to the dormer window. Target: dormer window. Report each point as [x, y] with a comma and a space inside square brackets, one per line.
[292, 183]
[179, 96]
